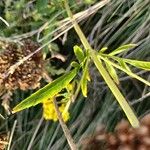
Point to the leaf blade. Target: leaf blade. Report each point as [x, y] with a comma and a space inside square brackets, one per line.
[112, 71]
[102, 50]
[122, 49]
[84, 82]
[79, 53]
[46, 92]
[139, 64]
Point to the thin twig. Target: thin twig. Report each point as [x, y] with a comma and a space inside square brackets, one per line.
[2, 117]
[53, 137]
[140, 99]
[64, 128]
[3, 20]
[35, 133]
[11, 135]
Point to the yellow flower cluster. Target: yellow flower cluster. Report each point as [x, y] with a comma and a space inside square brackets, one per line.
[49, 112]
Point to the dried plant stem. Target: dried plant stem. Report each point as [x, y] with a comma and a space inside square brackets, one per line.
[35, 133]
[64, 127]
[140, 99]
[3, 20]
[11, 135]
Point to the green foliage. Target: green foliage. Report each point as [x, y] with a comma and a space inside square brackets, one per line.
[57, 85]
[103, 49]
[112, 71]
[89, 1]
[122, 49]
[139, 64]
[41, 5]
[117, 23]
[79, 53]
[123, 66]
[85, 78]
[49, 91]
[93, 55]
[83, 58]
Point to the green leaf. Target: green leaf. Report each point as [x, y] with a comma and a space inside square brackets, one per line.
[112, 72]
[85, 78]
[124, 65]
[126, 71]
[49, 91]
[41, 4]
[139, 64]
[122, 49]
[121, 62]
[75, 64]
[79, 53]
[103, 49]
[88, 75]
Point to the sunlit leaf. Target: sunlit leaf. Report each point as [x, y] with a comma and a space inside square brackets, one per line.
[84, 80]
[116, 92]
[49, 91]
[128, 72]
[124, 65]
[103, 49]
[112, 71]
[139, 64]
[88, 75]
[84, 87]
[122, 49]
[75, 64]
[79, 53]
[121, 62]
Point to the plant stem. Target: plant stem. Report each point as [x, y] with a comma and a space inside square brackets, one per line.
[116, 92]
[64, 128]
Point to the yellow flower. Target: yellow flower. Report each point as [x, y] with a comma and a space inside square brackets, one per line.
[65, 115]
[49, 112]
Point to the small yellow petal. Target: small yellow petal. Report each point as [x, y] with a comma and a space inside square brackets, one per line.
[49, 112]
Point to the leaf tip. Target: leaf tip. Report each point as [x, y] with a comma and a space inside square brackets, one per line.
[15, 110]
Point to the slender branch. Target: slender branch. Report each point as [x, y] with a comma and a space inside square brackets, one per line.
[11, 135]
[140, 99]
[65, 128]
[35, 134]
[3, 20]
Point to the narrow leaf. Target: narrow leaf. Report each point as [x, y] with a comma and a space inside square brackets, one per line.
[121, 62]
[112, 72]
[88, 75]
[84, 80]
[49, 91]
[122, 49]
[75, 64]
[128, 72]
[84, 87]
[103, 49]
[79, 53]
[139, 64]
[124, 65]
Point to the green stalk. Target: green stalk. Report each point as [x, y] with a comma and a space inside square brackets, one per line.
[116, 92]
